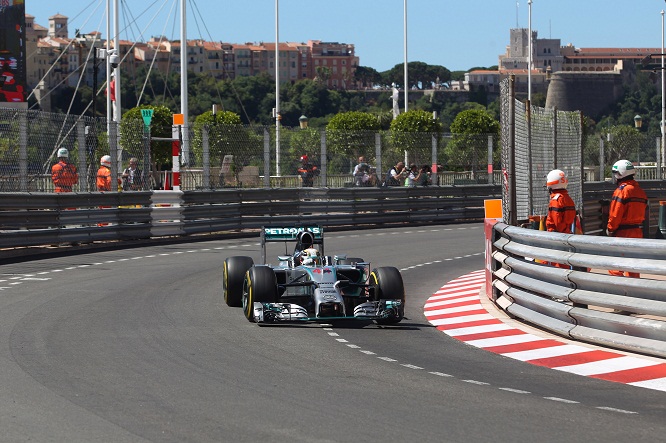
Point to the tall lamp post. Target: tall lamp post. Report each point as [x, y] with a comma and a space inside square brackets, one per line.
[662, 150]
[277, 91]
[638, 123]
[529, 56]
[405, 44]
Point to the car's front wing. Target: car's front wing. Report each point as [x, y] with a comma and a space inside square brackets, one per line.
[290, 312]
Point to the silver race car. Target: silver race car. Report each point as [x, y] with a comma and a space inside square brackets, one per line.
[309, 285]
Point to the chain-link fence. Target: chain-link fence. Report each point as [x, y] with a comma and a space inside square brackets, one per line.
[221, 156]
[536, 140]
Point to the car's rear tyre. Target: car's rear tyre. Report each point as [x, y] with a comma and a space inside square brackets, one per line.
[386, 284]
[233, 275]
[260, 285]
[350, 261]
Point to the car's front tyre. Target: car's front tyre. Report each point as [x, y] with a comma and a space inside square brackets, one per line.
[233, 275]
[386, 284]
[260, 285]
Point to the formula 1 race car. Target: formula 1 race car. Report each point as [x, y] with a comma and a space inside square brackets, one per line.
[310, 286]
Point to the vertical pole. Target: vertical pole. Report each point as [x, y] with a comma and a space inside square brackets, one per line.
[491, 178]
[146, 170]
[175, 156]
[513, 204]
[205, 141]
[323, 161]
[277, 90]
[109, 115]
[662, 154]
[267, 159]
[113, 153]
[554, 138]
[185, 134]
[658, 140]
[433, 150]
[116, 46]
[529, 56]
[23, 151]
[405, 67]
[81, 141]
[602, 155]
[528, 115]
[378, 157]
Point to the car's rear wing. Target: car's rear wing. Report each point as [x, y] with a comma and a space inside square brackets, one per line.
[289, 233]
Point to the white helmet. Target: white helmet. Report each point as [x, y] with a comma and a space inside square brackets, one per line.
[105, 161]
[556, 179]
[311, 257]
[622, 169]
[63, 152]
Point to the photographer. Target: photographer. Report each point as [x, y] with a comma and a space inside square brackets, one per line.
[413, 176]
[425, 180]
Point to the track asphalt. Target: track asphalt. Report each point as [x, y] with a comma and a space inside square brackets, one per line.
[461, 310]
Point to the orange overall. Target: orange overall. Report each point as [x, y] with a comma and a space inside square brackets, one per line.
[561, 215]
[626, 215]
[64, 176]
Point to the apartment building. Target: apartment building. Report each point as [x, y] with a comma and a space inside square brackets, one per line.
[53, 58]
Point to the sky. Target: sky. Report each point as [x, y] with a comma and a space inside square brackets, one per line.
[458, 35]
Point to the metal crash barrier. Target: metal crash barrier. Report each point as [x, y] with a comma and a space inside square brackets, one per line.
[582, 301]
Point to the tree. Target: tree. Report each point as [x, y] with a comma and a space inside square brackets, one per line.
[131, 135]
[420, 75]
[351, 134]
[227, 138]
[367, 77]
[469, 143]
[413, 131]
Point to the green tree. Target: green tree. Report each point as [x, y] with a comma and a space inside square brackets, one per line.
[413, 131]
[131, 135]
[227, 137]
[469, 143]
[420, 75]
[351, 134]
[367, 77]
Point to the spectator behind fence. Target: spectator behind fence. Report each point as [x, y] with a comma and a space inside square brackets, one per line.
[307, 172]
[413, 176]
[396, 175]
[362, 173]
[132, 176]
[425, 180]
[63, 173]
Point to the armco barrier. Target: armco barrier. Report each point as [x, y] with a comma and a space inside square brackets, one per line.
[37, 219]
[591, 306]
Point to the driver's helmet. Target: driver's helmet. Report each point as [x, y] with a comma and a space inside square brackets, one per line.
[311, 257]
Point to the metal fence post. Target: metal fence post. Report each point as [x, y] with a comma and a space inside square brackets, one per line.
[267, 159]
[433, 151]
[323, 161]
[658, 158]
[206, 157]
[23, 151]
[82, 150]
[378, 156]
[602, 156]
[491, 178]
[113, 152]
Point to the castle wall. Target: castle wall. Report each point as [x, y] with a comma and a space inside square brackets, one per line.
[589, 92]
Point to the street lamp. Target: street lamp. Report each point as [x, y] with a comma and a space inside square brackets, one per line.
[303, 122]
[529, 57]
[638, 123]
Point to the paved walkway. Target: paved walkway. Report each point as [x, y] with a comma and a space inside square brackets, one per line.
[461, 310]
